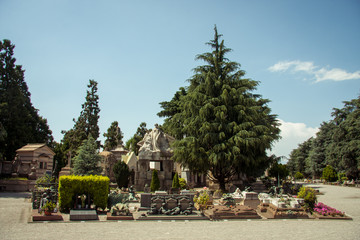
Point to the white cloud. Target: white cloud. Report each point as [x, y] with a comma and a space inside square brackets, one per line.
[292, 135]
[319, 74]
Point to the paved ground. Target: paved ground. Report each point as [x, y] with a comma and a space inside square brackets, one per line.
[15, 213]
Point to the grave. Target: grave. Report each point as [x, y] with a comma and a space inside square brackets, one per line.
[81, 215]
[217, 212]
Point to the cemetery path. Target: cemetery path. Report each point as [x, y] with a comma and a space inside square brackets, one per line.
[15, 213]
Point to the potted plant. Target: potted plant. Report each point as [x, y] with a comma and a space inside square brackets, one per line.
[202, 200]
[48, 208]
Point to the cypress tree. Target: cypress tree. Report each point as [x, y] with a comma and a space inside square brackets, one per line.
[155, 182]
[175, 183]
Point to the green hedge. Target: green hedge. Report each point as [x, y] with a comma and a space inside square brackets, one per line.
[96, 186]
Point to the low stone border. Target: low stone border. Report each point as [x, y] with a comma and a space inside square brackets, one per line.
[36, 216]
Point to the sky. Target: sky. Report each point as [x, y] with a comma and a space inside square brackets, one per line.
[305, 55]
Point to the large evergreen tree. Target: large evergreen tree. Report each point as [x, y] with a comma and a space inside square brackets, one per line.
[20, 122]
[86, 124]
[113, 136]
[224, 128]
[87, 160]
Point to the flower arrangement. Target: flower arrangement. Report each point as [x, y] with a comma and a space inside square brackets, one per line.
[203, 198]
[325, 210]
[49, 207]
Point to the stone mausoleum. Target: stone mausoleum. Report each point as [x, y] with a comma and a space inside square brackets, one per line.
[33, 161]
[155, 153]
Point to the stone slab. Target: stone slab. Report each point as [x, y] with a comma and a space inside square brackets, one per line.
[110, 217]
[36, 216]
[80, 215]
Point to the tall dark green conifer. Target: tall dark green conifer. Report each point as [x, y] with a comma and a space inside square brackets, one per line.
[20, 122]
[113, 136]
[131, 144]
[224, 128]
[86, 124]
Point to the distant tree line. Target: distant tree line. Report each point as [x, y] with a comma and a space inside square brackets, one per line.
[336, 144]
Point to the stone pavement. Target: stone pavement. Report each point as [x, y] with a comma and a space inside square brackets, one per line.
[15, 214]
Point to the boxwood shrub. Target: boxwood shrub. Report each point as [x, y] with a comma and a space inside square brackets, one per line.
[96, 186]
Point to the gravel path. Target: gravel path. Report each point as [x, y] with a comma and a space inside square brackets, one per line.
[15, 213]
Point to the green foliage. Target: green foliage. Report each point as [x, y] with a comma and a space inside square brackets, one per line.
[203, 198]
[86, 124]
[298, 175]
[219, 124]
[131, 144]
[113, 137]
[20, 122]
[309, 196]
[329, 174]
[44, 180]
[155, 182]
[87, 161]
[49, 206]
[342, 177]
[278, 170]
[96, 186]
[176, 183]
[122, 174]
[337, 144]
[182, 183]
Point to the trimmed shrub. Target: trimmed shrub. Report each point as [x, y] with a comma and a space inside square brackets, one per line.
[155, 182]
[122, 174]
[96, 186]
[182, 183]
[175, 183]
[329, 174]
[309, 196]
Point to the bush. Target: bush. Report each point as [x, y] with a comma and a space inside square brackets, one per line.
[122, 174]
[182, 183]
[175, 183]
[342, 177]
[155, 182]
[298, 176]
[309, 196]
[96, 186]
[329, 174]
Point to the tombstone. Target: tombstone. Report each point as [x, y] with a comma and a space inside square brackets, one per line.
[184, 203]
[171, 203]
[145, 200]
[158, 202]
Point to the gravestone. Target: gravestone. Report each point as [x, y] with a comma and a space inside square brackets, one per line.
[171, 203]
[184, 203]
[145, 200]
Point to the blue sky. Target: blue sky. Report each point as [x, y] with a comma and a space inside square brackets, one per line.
[305, 54]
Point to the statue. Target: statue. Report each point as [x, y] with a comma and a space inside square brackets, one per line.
[156, 142]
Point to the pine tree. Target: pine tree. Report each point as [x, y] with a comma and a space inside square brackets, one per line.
[155, 182]
[86, 124]
[122, 174]
[113, 136]
[87, 161]
[222, 127]
[20, 122]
